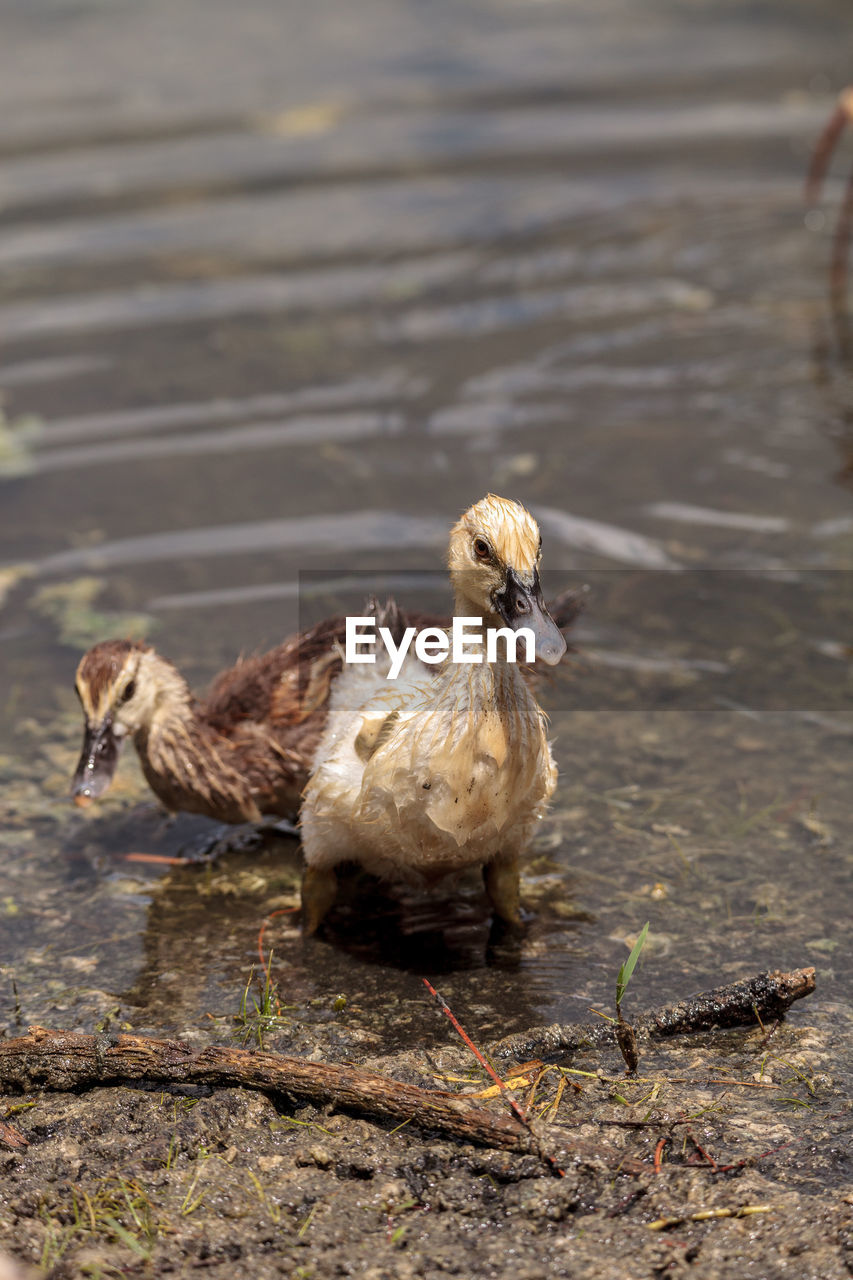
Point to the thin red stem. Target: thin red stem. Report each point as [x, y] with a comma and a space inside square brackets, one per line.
[284, 911]
[484, 1062]
[659, 1153]
[823, 150]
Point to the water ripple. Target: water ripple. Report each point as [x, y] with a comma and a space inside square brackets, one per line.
[392, 384]
[308, 430]
[370, 142]
[344, 532]
[152, 305]
[686, 513]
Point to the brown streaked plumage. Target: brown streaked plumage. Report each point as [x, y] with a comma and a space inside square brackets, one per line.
[243, 752]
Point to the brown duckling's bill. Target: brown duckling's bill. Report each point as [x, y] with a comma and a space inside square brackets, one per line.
[97, 764]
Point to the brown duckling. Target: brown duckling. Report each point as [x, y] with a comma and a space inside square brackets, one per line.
[244, 752]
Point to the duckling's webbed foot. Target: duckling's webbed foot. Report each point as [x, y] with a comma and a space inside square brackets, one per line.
[501, 877]
[319, 890]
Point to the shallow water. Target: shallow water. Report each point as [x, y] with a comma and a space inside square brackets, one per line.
[279, 298]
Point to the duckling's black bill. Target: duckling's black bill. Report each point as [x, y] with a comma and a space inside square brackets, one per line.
[97, 764]
[521, 605]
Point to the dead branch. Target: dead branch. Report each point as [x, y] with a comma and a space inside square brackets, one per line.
[755, 1000]
[59, 1060]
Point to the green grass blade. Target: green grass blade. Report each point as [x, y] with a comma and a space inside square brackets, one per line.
[626, 970]
[127, 1238]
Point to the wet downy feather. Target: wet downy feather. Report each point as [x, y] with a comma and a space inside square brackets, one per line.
[447, 767]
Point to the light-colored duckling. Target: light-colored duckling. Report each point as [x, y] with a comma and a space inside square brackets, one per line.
[422, 777]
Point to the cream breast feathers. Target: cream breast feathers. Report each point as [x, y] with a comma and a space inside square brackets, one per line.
[445, 767]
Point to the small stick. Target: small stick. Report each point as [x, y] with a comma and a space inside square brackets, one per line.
[283, 911]
[742, 1084]
[840, 246]
[826, 144]
[64, 1061]
[742, 1164]
[157, 859]
[705, 1215]
[821, 156]
[765, 996]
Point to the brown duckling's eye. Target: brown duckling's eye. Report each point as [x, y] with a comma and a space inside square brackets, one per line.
[129, 691]
[482, 550]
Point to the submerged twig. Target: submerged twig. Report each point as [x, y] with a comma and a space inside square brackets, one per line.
[706, 1155]
[659, 1150]
[821, 156]
[826, 144]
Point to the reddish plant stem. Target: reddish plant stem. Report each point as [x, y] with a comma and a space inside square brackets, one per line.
[703, 1153]
[284, 911]
[484, 1062]
[659, 1149]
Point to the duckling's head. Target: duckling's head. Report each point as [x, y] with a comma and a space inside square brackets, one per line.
[494, 557]
[121, 684]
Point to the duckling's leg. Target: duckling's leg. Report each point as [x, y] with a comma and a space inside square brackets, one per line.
[319, 890]
[501, 878]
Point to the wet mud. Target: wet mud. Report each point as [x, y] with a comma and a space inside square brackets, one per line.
[725, 1152]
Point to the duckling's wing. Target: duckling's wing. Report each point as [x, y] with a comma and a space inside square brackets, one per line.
[281, 687]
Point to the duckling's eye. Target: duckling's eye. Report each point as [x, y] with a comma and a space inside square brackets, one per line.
[482, 550]
[129, 691]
